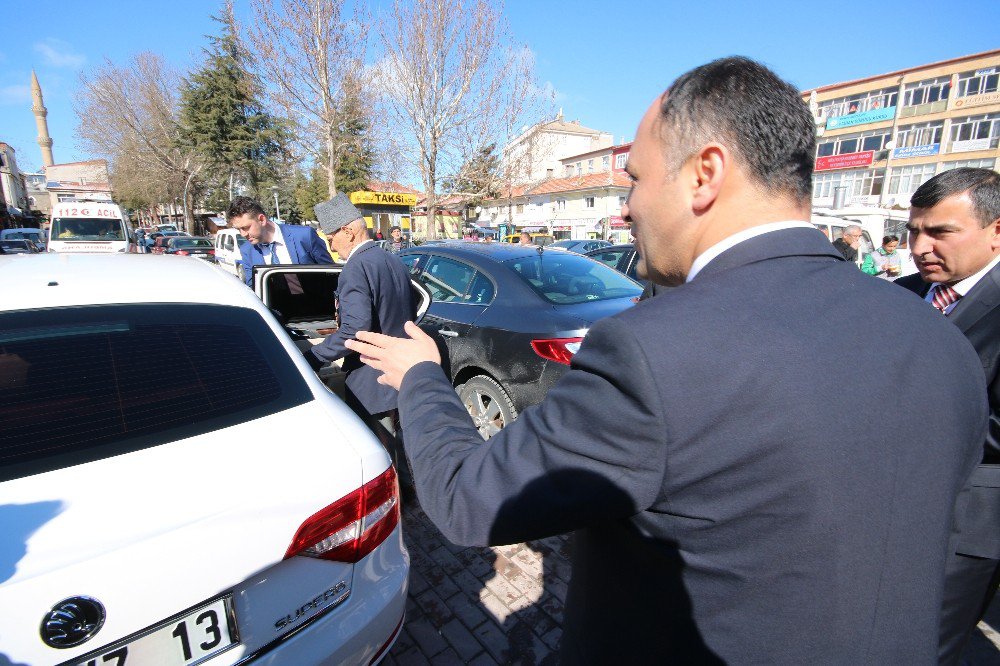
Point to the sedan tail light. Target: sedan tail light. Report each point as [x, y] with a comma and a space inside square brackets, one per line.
[184, 252]
[354, 525]
[560, 350]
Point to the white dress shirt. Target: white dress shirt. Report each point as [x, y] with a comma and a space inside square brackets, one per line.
[278, 248]
[962, 287]
[731, 241]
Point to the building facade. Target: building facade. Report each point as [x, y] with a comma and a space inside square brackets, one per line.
[880, 137]
[13, 189]
[78, 180]
[537, 152]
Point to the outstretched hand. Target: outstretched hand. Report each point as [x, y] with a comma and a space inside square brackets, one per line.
[393, 357]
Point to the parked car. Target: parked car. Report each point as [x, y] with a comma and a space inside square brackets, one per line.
[622, 258]
[536, 238]
[151, 239]
[227, 251]
[206, 511]
[191, 246]
[511, 318]
[23, 246]
[37, 236]
[582, 246]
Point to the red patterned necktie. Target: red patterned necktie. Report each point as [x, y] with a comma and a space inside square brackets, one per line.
[943, 297]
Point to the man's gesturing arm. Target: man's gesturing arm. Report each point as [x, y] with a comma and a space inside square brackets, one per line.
[594, 450]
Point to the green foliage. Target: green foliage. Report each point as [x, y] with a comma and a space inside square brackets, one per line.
[224, 121]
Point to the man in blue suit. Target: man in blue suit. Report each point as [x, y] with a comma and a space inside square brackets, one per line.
[724, 509]
[272, 243]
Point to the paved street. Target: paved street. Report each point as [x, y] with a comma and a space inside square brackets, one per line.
[504, 605]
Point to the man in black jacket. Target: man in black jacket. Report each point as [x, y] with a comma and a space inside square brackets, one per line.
[955, 240]
[848, 245]
[724, 509]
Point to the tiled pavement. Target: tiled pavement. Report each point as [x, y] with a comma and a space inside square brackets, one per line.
[499, 605]
[505, 605]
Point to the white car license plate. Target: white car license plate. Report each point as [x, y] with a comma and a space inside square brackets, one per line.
[183, 640]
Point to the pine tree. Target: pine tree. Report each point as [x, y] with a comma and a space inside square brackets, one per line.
[224, 121]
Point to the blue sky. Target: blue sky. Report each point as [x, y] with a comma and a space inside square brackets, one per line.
[606, 61]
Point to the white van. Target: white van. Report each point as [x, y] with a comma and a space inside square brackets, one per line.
[875, 223]
[227, 251]
[90, 226]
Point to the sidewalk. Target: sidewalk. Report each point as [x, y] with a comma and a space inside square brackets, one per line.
[504, 605]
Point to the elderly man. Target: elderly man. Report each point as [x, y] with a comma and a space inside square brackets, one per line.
[725, 510]
[848, 245]
[272, 243]
[955, 240]
[375, 294]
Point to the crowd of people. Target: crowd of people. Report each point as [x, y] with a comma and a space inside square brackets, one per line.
[744, 494]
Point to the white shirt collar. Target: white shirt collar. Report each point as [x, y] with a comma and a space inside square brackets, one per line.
[711, 253]
[355, 249]
[279, 247]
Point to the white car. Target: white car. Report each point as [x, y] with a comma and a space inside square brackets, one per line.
[227, 251]
[161, 504]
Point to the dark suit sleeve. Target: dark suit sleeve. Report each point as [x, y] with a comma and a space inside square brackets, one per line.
[593, 450]
[354, 292]
[245, 250]
[315, 248]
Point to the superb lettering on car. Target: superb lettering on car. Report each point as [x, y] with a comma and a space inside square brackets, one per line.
[313, 605]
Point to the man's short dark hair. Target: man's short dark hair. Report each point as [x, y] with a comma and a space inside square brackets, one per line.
[753, 112]
[891, 238]
[983, 186]
[241, 206]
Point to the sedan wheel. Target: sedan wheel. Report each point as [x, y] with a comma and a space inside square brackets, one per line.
[488, 404]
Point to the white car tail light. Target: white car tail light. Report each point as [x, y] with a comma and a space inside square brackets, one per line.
[354, 525]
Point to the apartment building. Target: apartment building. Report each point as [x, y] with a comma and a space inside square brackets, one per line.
[880, 137]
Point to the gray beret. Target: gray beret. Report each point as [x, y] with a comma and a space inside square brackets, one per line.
[335, 213]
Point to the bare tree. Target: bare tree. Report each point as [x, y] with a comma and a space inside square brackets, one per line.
[310, 57]
[454, 81]
[129, 116]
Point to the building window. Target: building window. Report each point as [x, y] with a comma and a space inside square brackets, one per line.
[866, 101]
[560, 204]
[971, 83]
[859, 183]
[588, 202]
[926, 92]
[985, 128]
[621, 200]
[986, 163]
[852, 143]
[620, 160]
[568, 171]
[520, 208]
[590, 166]
[605, 163]
[923, 134]
[906, 180]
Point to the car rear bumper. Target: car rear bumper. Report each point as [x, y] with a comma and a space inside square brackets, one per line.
[354, 632]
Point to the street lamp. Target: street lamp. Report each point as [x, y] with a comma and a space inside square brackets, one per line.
[277, 211]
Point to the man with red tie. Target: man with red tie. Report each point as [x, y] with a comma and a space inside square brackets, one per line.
[955, 240]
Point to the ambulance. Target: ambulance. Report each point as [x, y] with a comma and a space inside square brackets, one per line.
[90, 226]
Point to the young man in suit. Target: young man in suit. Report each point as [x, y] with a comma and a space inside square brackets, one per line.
[725, 510]
[955, 240]
[272, 243]
[374, 294]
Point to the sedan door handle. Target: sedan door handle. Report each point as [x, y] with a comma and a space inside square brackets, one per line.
[448, 333]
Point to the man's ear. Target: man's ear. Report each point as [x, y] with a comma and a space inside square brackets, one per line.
[711, 165]
[995, 224]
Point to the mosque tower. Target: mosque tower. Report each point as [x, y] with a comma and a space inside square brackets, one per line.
[38, 108]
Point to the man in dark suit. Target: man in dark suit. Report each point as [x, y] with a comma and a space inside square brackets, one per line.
[374, 294]
[272, 243]
[725, 509]
[955, 240]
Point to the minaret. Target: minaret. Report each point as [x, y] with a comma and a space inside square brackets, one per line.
[38, 108]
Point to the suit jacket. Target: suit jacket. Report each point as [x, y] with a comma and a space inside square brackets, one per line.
[303, 243]
[739, 460]
[977, 315]
[375, 295]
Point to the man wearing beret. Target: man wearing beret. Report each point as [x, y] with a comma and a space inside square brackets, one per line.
[272, 243]
[375, 295]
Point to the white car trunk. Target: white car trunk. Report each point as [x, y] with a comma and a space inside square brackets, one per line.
[152, 533]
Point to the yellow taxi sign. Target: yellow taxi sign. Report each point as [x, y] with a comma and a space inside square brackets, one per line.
[384, 198]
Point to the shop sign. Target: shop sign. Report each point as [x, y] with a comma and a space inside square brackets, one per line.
[917, 151]
[618, 222]
[970, 145]
[846, 161]
[977, 100]
[852, 119]
[384, 198]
